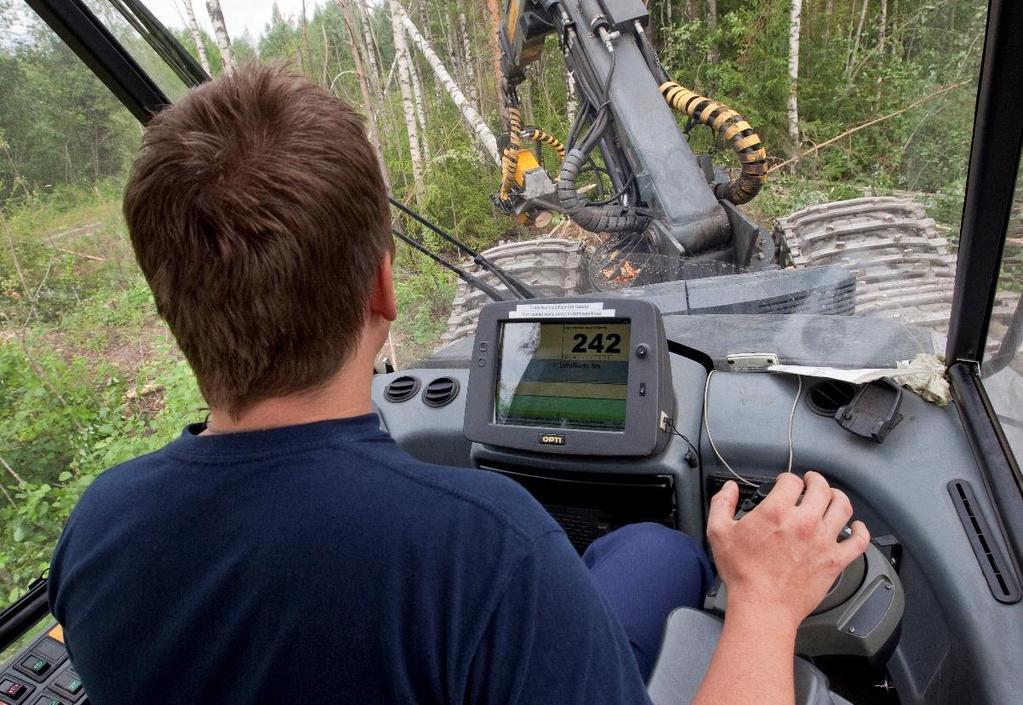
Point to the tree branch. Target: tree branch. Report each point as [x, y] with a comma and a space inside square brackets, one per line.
[875, 121]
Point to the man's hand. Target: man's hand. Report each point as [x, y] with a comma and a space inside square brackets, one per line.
[778, 562]
[782, 558]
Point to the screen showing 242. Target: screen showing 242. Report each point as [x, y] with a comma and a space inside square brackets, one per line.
[563, 375]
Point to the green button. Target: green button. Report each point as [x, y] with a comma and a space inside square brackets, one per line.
[73, 686]
[37, 666]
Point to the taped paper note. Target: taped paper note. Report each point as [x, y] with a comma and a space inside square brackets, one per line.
[924, 374]
[573, 309]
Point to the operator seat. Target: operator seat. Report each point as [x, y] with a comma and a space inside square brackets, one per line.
[689, 640]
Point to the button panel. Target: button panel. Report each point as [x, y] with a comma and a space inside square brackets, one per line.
[40, 674]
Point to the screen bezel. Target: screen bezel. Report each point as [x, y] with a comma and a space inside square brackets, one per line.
[648, 373]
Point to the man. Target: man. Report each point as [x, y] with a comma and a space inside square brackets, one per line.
[287, 551]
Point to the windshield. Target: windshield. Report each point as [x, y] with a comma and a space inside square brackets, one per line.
[868, 103]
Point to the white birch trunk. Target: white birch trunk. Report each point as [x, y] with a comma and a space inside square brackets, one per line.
[468, 113]
[408, 107]
[571, 104]
[882, 28]
[193, 29]
[712, 25]
[829, 11]
[795, 17]
[220, 31]
[469, 62]
[370, 42]
[494, 19]
[420, 105]
[854, 53]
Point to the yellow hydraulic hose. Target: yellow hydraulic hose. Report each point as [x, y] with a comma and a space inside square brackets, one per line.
[733, 129]
[537, 135]
[510, 156]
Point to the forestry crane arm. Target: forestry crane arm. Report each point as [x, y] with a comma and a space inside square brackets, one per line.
[661, 189]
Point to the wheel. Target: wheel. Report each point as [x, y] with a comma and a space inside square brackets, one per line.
[550, 267]
[902, 263]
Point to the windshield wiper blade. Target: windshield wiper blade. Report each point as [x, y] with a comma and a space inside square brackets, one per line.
[514, 285]
[462, 274]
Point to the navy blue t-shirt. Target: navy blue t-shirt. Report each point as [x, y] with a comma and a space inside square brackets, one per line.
[322, 564]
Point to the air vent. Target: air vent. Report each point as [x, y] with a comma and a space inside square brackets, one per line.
[440, 392]
[1001, 577]
[401, 389]
[828, 396]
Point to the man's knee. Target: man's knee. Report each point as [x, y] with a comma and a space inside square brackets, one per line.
[654, 550]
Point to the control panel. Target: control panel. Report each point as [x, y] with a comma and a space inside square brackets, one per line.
[41, 674]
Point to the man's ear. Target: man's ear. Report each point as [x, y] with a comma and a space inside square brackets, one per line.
[381, 300]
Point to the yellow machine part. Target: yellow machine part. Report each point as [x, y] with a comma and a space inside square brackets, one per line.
[525, 162]
[733, 129]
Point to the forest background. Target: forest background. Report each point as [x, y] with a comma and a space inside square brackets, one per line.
[89, 375]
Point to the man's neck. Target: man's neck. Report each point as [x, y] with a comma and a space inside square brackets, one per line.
[345, 395]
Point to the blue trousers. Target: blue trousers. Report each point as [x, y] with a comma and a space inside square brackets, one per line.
[645, 571]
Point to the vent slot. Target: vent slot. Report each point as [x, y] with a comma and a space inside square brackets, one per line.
[828, 396]
[1001, 578]
[440, 392]
[401, 389]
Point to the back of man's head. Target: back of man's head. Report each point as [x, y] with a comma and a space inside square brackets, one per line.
[259, 217]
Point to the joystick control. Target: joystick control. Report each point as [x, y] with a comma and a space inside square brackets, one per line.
[860, 614]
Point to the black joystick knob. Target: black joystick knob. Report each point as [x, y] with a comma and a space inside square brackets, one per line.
[748, 505]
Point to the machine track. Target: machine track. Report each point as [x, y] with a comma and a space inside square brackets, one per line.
[902, 263]
[551, 267]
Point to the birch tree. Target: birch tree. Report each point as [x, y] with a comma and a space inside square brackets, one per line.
[193, 29]
[882, 28]
[712, 25]
[795, 18]
[467, 58]
[220, 32]
[369, 41]
[469, 115]
[850, 68]
[494, 16]
[419, 102]
[408, 107]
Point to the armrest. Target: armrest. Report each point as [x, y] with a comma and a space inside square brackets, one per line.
[689, 641]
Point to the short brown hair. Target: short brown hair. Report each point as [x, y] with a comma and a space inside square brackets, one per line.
[259, 216]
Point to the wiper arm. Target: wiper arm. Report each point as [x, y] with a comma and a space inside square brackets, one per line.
[162, 41]
[514, 285]
[462, 274]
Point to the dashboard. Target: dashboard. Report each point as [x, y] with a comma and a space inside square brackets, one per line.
[909, 490]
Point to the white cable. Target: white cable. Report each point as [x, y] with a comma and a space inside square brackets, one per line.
[710, 438]
[792, 419]
[713, 445]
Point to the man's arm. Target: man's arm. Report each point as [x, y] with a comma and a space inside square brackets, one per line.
[778, 563]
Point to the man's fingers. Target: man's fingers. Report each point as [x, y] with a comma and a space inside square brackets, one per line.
[722, 509]
[839, 512]
[854, 546]
[787, 489]
[818, 494]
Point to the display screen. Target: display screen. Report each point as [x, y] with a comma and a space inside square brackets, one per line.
[563, 375]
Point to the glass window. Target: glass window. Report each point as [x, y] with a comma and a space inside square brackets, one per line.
[1003, 362]
[85, 365]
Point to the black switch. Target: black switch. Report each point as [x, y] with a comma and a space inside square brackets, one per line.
[35, 666]
[12, 689]
[69, 682]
